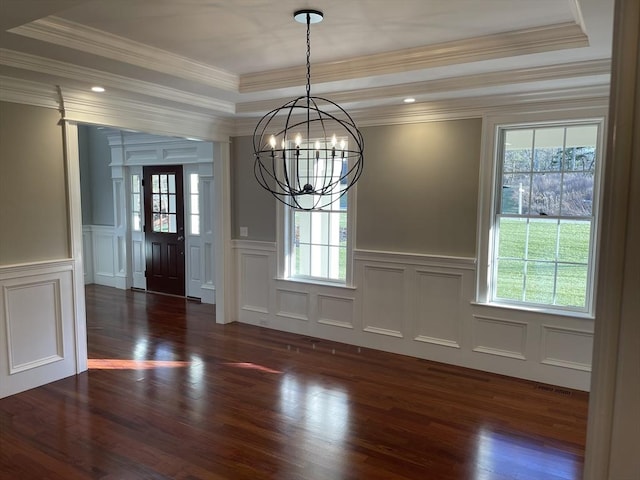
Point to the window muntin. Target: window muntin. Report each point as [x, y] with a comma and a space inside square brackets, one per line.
[317, 239]
[544, 221]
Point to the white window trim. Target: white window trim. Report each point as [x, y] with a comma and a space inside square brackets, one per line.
[283, 242]
[487, 201]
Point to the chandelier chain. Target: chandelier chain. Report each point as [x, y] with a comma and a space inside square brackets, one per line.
[308, 55]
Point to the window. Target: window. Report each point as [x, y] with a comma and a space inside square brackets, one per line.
[544, 219]
[163, 206]
[136, 215]
[194, 204]
[317, 241]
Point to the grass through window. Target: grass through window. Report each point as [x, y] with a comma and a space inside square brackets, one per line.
[543, 261]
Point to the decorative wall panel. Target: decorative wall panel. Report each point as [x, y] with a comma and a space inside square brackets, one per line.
[567, 348]
[254, 282]
[501, 337]
[33, 324]
[335, 311]
[383, 300]
[37, 334]
[292, 304]
[438, 307]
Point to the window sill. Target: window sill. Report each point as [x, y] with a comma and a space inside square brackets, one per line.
[532, 309]
[311, 281]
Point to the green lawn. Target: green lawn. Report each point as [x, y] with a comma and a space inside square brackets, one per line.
[526, 270]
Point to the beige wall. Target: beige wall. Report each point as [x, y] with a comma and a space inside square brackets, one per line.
[418, 192]
[33, 199]
[419, 189]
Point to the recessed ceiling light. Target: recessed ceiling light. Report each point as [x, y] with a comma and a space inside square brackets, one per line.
[409, 100]
[97, 89]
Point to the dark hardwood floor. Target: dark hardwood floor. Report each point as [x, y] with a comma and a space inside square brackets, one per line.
[171, 394]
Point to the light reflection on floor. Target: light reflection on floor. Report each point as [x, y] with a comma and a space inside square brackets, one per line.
[528, 459]
[251, 366]
[318, 421]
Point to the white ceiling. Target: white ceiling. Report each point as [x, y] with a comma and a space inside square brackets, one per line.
[240, 58]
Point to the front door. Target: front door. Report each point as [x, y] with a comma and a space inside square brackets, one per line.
[164, 229]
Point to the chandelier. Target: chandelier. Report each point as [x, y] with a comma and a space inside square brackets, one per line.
[317, 155]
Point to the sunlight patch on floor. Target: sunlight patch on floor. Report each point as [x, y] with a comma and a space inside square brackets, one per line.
[123, 364]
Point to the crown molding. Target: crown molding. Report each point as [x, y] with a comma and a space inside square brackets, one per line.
[48, 66]
[558, 100]
[73, 35]
[29, 93]
[467, 82]
[82, 107]
[488, 47]
[594, 97]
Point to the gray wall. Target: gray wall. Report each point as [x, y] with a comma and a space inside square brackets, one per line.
[251, 205]
[419, 189]
[85, 174]
[96, 186]
[418, 192]
[33, 196]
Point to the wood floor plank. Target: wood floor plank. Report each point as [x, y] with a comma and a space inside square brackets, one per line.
[170, 394]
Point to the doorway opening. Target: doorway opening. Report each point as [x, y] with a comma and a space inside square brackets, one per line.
[147, 212]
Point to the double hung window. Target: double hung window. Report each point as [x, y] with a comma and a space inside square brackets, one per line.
[544, 215]
[317, 241]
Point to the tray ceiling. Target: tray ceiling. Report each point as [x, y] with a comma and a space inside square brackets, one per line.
[242, 57]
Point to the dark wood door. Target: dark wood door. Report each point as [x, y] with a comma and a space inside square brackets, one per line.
[164, 229]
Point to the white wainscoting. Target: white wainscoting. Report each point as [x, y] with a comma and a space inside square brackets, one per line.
[100, 243]
[37, 325]
[418, 305]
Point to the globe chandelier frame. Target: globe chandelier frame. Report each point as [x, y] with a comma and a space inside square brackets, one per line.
[311, 172]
